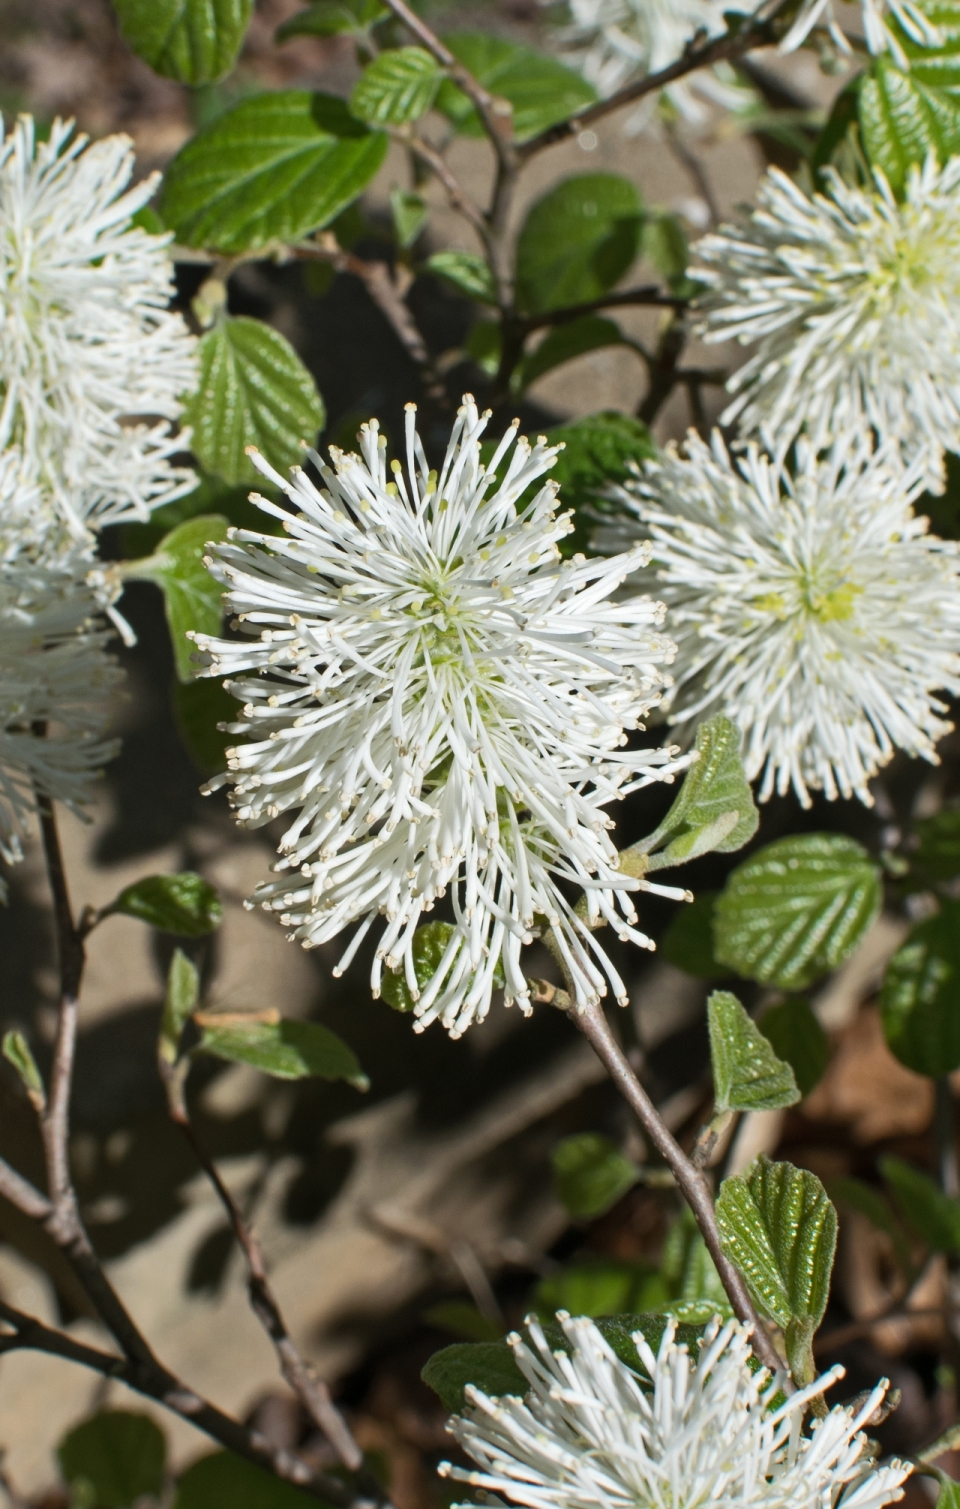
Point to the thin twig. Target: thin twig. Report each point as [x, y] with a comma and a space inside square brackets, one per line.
[648, 293]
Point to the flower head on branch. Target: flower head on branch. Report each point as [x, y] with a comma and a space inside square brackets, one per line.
[590, 1433]
[812, 607]
[852, 300]
[93, 363]
[446, 705]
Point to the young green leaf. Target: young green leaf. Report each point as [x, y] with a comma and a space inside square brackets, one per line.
[113, 1459]
[932, 1213]
[467, 272]
[429, 946]
[540, 90]
[284, 1049]
[601, 1286]
[398, 86]
[183, 904]
[797, 909]
[747, 1074]
[590, 1174]
[254, 391]
[409, 213]
[16, 1050]
[565, 342]
[192, 41]
[182, 995]
[797, 1037]
[577, 241]
[713, 786]
[779, 1228]
[331, 18]
[272, 169]
[920, 996]
[191, 596]
[223, 1481]
[199, 707]
[688, 941]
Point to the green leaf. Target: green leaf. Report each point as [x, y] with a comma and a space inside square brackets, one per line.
[409, 213]
[192, 41]
[862, 1197]
[467, 272]
[483, 346]
[949, 1494]
[713, 787]
[664, 245]
[590, 1174]
[796, 909]
[273, 169]
[398, 86]
[223, 1481]
[565, 342]
[461, 1318]
[285, 1049]
[199, 707]
[183, 904]
[932, 1213]
[331, 18]
[490, 1366]
[601, 1286]
[688, 941]
[113, 1459]
[903, 117]
[688, 1270]
[937, 855]
[182, 995]
[835, 134]
[429, 945]
[192, 598]
[779, 1228]
[254, 391]
[920, 996]
[541, 90]
[577, 241]
[16, 1050]
[599, 450]
[797, 1037]
[747, 1074]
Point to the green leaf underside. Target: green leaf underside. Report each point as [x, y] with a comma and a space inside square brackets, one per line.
[688, 940]
[286, 1050]
[273, 169]
[779, 1228]
[113, 1459]
[714, 786]
[602, 1286]
[489, 1366]
[467, 272]
[192, 598]
[223, 1481]
[541, 90]
[429, 944]
[920, 997]
[254, 391]
[566, 342]
[590, 1174]
[929, 1211]
[796, 909]
[192, 41]
[577, 241]
[747, 1074]
[797, 1037]
[398, 86]
[183, 904]
[330, 18]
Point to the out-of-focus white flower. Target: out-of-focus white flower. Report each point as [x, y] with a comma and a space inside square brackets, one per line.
[853, 302]
[613, 42]
[55, 683]
[446, 702]
[878, 32]
[589, 1433]
[93, 364]
[813, 608]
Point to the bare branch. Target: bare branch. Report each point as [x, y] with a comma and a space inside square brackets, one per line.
[650, 294]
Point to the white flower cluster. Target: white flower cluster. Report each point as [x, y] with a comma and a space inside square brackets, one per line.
[591, 1432]
[812, 605]
[445, 703]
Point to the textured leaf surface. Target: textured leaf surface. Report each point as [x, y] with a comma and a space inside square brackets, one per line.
[254, 390]
[398, 86]
[577, 241]
[747, 1074]
[192, 41]
[467, 272]
[286, 1049]
[565, 342]
[223, 1481]
[113, 1459]
[696, 1292]
[272, 169]
[541, 90]
[183, 904]
[779, 1228]
[429, 945]
[930, 1212]
[907, 113]
[797, 1037]
[598, 450]
[590, 1174]
[920, 998]
[713, 787]
[192, 598]
[796, 909]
